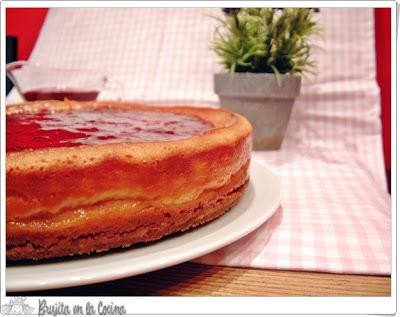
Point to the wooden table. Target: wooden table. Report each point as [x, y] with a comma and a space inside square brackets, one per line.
[191, 279]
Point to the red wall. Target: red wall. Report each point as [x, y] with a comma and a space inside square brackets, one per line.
[383, 48]
[26, 24]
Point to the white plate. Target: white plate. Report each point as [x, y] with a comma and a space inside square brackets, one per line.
[260, 201]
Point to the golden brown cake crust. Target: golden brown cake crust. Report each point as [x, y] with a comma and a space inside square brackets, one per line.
[120, 185]
[120, 229]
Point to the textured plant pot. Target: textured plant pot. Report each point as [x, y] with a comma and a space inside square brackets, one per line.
[262, 101]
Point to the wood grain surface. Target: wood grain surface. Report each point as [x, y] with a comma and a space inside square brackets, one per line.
[190, 279]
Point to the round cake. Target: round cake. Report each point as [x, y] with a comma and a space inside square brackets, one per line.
[86, 177]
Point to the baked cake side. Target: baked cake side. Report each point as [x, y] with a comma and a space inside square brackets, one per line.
[90, 198]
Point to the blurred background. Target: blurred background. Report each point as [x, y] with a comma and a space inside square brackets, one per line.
[175, 45]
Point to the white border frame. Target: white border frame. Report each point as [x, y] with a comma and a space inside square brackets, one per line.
[224, 305]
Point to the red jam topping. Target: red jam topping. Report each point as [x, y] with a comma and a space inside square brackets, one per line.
[55, 94]
[98, 126]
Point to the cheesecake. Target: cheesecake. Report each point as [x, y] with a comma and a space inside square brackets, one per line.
[86, 177]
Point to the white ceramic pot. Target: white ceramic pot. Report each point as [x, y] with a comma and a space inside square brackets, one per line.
[265, 103]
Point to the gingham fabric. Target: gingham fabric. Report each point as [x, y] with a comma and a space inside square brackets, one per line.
[335, 214]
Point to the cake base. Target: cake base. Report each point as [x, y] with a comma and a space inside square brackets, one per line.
[149, 224]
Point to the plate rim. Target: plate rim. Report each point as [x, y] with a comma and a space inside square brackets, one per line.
[196, 251]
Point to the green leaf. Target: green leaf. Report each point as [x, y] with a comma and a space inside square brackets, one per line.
[266, 40]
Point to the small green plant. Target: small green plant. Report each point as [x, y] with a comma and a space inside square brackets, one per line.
[266, 40]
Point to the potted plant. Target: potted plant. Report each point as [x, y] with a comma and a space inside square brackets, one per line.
[266, 51]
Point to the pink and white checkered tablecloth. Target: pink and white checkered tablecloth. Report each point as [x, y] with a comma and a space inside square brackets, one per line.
[336, 213]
